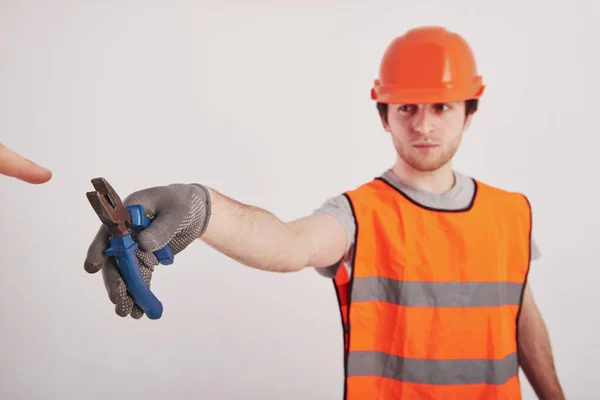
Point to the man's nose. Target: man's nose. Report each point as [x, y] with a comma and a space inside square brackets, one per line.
[423, 121]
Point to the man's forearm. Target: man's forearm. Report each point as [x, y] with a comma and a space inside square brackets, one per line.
[535, 352]
[253, 236]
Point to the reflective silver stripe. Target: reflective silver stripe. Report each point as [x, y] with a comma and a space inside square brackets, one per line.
[435, 372]
[436, 294]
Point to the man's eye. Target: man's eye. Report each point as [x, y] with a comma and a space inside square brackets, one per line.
[442, 107]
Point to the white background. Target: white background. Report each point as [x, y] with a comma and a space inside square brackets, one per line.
[269, 103]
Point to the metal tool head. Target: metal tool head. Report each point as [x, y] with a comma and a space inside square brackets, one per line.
[107, 204]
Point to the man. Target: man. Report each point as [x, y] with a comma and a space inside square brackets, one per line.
[16, 166]
[429, 265]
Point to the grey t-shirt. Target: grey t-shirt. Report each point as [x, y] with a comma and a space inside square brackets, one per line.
[458, 197]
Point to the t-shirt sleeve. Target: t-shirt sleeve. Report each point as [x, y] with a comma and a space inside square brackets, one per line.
[535, 250]
[339, 207]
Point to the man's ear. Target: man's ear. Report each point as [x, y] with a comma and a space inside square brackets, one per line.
[384, 124]
[468, 121]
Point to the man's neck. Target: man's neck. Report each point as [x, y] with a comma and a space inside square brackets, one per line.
[438, 181]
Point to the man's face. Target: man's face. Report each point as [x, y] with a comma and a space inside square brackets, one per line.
[426, 136]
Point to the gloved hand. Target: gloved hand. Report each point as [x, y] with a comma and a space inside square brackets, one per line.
[179, 214]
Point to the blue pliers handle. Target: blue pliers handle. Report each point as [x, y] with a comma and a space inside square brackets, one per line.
[121, 221]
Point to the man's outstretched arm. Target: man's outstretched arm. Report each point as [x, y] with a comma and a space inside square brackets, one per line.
[257, 238]
[183, 213]
[535, 352]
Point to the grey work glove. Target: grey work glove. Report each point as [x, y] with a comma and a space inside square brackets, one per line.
[179, 214]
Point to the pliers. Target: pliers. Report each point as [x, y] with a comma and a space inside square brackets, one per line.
[121, 221]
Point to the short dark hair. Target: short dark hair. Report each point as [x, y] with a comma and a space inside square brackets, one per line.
[471, 106]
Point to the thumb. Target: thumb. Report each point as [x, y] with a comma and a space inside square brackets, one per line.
[17, 166]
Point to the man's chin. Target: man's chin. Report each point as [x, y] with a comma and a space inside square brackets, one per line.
[425, 165]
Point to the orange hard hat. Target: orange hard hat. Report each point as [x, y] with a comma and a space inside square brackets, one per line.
[427, 65]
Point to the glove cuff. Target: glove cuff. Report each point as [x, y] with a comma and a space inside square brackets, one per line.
[208, 203]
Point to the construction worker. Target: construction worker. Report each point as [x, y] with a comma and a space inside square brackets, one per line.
[430, 266]
[16, 166]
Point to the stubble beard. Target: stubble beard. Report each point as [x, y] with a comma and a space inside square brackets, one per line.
[424, 162]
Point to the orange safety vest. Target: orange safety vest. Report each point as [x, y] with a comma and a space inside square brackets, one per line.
[430, 309]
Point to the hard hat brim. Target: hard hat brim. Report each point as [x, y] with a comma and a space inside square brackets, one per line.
[390, 94]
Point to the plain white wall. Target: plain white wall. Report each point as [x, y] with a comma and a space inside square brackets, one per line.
[269, 103]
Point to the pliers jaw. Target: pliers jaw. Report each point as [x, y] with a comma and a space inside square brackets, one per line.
[107, 204]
